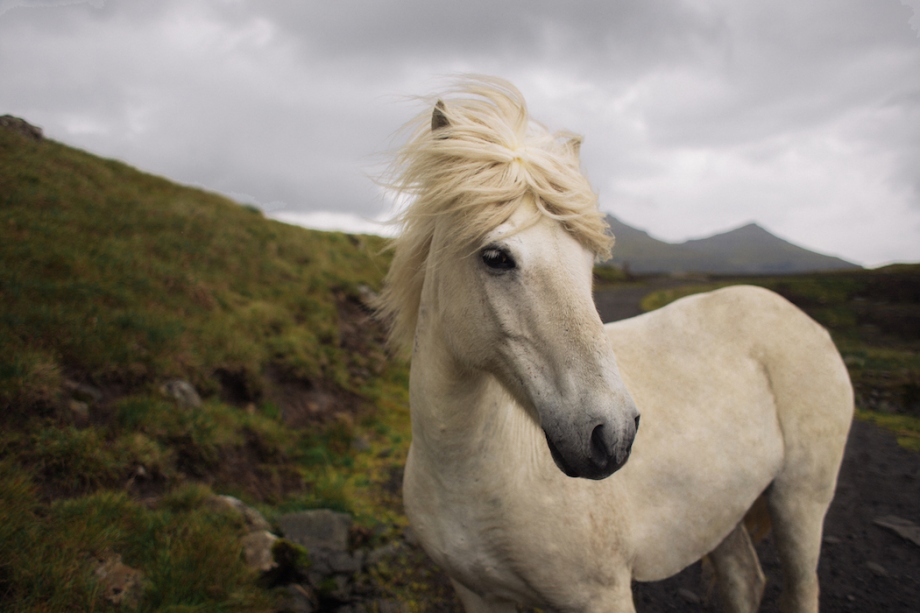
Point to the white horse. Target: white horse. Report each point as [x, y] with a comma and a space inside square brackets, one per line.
[518, 389]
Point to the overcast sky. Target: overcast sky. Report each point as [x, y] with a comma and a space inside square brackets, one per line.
[698, 116]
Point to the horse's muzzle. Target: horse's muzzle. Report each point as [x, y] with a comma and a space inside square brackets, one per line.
[604, 454]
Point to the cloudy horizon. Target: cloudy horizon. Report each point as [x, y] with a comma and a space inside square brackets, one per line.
[698, 117]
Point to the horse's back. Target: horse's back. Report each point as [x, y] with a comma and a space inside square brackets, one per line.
[799, 360]
[808, 380]
[733, 386]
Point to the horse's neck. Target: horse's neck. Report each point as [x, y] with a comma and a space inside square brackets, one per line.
[461, 419]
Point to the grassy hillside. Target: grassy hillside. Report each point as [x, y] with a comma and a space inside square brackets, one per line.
[119, 277]
[114, 282]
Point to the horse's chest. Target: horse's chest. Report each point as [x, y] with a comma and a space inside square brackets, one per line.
[515, 543]
[470, 540]
[478, 537]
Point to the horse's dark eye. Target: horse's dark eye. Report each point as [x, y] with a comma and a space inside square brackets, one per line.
[497, 259]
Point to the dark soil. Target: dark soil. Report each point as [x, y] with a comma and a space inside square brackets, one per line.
[863, 567]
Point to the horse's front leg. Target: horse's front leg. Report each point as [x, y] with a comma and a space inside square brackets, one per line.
[616, 598]
[474, 603]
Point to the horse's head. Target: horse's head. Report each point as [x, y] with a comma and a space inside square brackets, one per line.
[520, 307]
[503, 235]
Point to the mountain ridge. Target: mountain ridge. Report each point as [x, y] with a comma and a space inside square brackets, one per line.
[748, 249]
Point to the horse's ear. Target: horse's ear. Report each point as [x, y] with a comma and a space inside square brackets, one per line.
[439, 117]
[574, 146]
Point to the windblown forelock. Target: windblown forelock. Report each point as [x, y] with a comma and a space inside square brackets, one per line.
[472, 174]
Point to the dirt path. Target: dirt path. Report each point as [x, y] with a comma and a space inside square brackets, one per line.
[864, 567]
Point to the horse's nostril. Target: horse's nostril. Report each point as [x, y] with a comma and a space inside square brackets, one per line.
[637, 422]
[600, 452]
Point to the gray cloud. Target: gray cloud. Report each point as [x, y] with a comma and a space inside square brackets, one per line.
[8, 5]
[697, 115]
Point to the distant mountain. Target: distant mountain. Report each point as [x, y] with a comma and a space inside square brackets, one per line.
[746, 250]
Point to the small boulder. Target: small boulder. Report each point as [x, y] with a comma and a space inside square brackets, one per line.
[317, 529]
[381, 554]
[336, 588]
[79, 411]
[257, 550]
[302, 599]
[83, 392]
[877, 569]
[390, 606]
[255, 521]
[15, 124]
[368, 297]
[182, 392]
[904, 528]
[689, 596]
[360, 444]
[342, 562]
[121, 584]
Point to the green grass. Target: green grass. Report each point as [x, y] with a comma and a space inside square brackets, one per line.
[122, 277]
[605, 276]
[120, 281]
[906, 427]
[189, 554]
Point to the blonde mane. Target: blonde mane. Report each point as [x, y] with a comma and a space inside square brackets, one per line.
[470, 169]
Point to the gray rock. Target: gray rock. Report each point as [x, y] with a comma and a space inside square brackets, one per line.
[902, 527]
[387, 552]
[15, 124]
[79, 410]
[182, 392]
[317, 578]
[319, 566]
[121, 584]
[369, 298]
[360, 444]
[344, 563]
[254, 520]
[390, 606]
[688, 596]
[302, 599]
[319, 529]
[257, 550]
[341, 588]
[877, 569]
[83, 392]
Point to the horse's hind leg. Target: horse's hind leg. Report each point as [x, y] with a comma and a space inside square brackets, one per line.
[738, 573]
[814, 404]
[798, 518]
[800, 495]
